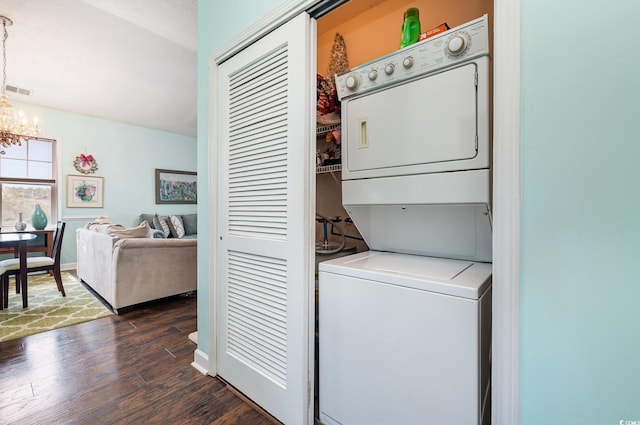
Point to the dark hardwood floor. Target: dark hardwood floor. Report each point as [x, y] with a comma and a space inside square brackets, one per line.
[129, 369]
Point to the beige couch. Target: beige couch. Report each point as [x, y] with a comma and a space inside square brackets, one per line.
[129, 271]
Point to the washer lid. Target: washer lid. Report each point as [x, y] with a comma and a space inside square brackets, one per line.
[459, 278]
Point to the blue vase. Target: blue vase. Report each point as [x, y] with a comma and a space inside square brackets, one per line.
[39, 218]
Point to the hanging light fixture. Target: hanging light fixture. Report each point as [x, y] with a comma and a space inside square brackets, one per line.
[14, 128]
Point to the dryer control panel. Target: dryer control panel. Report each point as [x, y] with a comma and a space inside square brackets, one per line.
[455, 45]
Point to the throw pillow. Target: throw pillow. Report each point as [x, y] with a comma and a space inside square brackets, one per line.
[158, 234]
[190, 222]
[149, 218]
[161, 223]
[156, 222]
[176, 222]
[172, 230]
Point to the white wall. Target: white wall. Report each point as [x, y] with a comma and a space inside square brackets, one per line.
[127, 157]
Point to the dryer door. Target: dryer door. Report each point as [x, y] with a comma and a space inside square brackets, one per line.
[426, 125]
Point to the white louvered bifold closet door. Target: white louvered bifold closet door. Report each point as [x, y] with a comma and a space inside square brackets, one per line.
[264, 218]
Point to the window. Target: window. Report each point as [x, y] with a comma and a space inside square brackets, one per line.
[27, 178]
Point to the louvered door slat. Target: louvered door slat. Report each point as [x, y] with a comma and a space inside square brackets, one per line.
[263, 342]
[263, 339]
[276, 329]
[265, 113]
[261, 172]
[247, 197]
[258, 86]
[258, 180]
[248, 183]
[265, 65]
[251, 203]
[265, 145]
[269, 97]
[258, 165]
[246, 271]
[268, 147]
[254, 135]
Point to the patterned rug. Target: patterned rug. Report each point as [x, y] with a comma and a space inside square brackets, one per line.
[48, 309]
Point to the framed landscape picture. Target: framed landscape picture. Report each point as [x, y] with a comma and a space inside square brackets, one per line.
[85, 191]
[176, 187]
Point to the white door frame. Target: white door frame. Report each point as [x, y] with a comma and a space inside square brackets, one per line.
[505, 359]
[506, 205]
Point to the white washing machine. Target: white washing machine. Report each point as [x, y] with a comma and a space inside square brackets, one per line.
[404, 329]
[404, 339]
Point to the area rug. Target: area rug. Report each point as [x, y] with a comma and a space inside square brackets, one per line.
[47, 308]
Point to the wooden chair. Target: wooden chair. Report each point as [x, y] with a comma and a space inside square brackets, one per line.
[35, 264]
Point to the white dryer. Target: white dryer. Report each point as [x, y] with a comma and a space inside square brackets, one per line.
[404, 329]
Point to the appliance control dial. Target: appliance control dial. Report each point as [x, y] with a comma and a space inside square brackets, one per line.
[457, 44]
[408, 62]
[373, 74]
[351, 82]
[389, 68]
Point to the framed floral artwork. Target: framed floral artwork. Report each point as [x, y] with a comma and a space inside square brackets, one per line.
[176, 187]
[85, 191]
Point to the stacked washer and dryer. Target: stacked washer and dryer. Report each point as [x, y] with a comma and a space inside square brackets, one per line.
[405, 329]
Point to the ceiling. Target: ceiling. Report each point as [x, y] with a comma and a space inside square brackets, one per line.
[131, 61]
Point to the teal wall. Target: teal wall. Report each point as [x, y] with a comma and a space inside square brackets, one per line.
[127, 157]
[218, 22]
[580, 240]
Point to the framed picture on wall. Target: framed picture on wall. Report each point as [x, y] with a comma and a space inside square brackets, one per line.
[85, 191]
[176, 187]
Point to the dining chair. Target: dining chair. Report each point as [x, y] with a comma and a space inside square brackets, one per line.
[35, 264]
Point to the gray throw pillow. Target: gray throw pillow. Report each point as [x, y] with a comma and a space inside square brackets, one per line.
[190, 222]
[156, 223]
[150, 220]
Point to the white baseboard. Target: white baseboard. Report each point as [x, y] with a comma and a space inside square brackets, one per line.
[68, 266]
[200, 361]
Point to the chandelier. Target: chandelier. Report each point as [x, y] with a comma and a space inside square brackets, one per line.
[14, 128]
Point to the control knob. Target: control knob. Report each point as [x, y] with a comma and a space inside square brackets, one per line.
[351, 82]
[389, 68]
[457, 44]
[373, 74]
[407, 62]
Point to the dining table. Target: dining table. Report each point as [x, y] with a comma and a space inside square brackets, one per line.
[18, 241]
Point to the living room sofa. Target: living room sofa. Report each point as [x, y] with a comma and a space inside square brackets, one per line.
[131, 266]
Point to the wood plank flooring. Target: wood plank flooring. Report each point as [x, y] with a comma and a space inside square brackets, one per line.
[129, 369]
